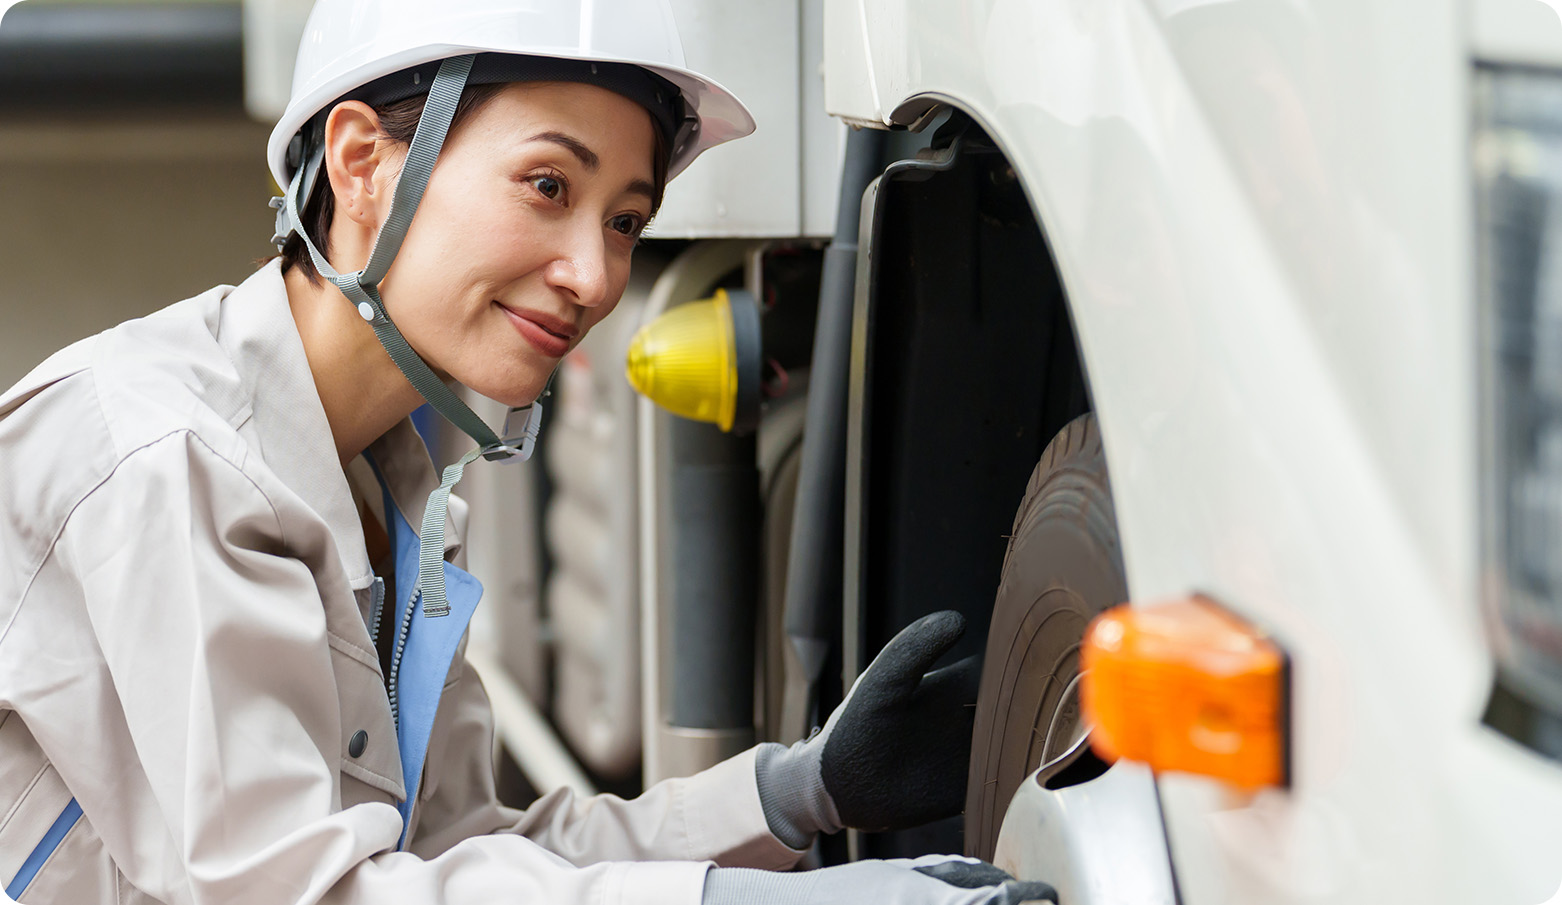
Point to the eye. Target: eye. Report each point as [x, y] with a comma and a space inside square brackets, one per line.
[625, 224]
[550, 187]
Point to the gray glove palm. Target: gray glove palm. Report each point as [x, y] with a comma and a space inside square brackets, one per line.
[893, 755]
[933, 880]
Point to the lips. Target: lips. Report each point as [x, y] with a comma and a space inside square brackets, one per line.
[548, 334]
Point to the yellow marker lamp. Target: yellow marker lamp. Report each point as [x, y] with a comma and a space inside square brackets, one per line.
[701, 360]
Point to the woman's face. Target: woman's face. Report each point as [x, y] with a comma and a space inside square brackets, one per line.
[522, 241]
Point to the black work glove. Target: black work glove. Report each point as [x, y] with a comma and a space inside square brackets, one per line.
[893, 755]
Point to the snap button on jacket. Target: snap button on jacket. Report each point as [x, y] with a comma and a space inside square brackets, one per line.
[191, 707]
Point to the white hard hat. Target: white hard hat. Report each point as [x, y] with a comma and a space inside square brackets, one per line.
[349, 44]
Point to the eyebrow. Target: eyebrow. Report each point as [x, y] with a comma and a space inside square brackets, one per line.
[573, 145]
[641, 187]
[591, 161]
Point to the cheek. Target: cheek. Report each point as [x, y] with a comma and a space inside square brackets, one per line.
[478, 223]
[507, 245]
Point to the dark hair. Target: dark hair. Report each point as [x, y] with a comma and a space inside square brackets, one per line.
[399, 122]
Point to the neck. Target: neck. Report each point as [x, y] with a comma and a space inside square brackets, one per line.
[363, 392]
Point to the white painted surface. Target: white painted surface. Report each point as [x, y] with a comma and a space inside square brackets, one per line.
[1261, 212]
[750, 187]
[1517, 31]
[1097, 843]
[824, 137]
[779, 182]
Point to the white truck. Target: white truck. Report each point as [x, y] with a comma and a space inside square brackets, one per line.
[1253, 301]
[1306, 251]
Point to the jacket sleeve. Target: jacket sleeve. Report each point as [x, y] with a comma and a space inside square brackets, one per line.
[212, 765]
[714, 815]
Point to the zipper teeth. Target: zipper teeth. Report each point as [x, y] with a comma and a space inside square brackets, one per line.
[379, 612]
[401, 646]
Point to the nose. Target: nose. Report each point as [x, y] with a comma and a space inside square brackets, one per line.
[581, 267]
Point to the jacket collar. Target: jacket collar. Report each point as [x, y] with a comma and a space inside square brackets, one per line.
[294, 438]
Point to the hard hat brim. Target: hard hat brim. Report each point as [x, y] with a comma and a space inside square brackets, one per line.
[719, 115]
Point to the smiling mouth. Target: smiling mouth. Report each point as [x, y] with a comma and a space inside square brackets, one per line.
[554, 326]
[548, 335]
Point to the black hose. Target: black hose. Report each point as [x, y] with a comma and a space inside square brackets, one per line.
[814, 567]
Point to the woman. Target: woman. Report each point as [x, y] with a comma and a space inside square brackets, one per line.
[231, 665]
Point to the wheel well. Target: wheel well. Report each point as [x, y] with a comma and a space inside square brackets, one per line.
[971, 367]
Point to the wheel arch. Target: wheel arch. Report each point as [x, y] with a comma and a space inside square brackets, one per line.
[981, 198]
[917, 111]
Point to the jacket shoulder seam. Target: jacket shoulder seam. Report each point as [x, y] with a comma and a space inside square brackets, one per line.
[108, 476]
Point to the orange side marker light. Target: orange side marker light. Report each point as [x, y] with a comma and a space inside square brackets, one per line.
[1186, 686]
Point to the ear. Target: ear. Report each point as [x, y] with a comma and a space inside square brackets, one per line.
[359, 166]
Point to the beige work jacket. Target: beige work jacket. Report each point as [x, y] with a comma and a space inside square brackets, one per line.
[185, 658]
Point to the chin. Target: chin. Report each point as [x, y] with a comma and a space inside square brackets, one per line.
[516, 400]
[514, 393]
[514, 377]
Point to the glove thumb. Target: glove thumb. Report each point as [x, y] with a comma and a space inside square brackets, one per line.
[898, 669]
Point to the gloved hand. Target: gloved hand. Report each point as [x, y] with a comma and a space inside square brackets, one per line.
[932, 880]
[893, 755]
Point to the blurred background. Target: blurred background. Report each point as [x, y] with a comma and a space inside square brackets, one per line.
[131, 172]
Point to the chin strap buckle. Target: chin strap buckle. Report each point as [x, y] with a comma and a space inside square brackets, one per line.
[519, 444]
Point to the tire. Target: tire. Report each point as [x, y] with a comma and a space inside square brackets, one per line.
[1063, 566]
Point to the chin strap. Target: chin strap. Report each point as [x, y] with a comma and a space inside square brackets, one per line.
[431, 539]
[362, 290]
